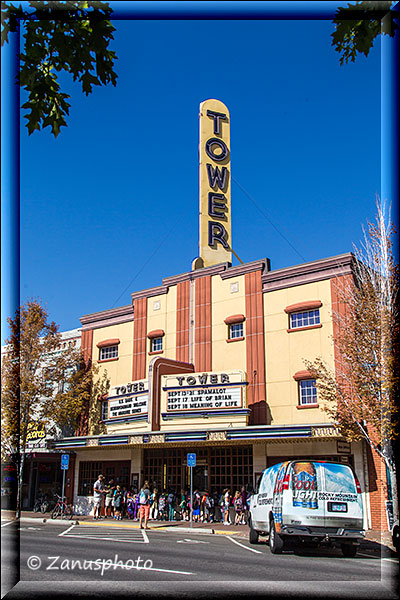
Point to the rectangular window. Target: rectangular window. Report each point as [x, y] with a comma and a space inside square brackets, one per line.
[308, 391]
[235, 331]
[104, 410]
[156, 344]
[305, 318]
[88, 473]
[108, 352]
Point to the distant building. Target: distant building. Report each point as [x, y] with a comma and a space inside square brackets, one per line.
[42, 462]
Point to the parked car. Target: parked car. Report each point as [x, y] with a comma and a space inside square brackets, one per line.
[307, 501]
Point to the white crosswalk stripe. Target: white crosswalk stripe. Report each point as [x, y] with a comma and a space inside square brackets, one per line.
[114, 534]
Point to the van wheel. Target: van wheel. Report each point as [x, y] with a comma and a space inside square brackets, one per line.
[348, 550]
[253, 535]
[275, 540]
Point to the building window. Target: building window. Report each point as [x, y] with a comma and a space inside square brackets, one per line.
[235, 331]
[104, 410]
[88, 473]
[156, 344]
[306, 318]
[307, 392]
[108, 352]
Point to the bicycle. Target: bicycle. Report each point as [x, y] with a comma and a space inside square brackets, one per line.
[62, 509]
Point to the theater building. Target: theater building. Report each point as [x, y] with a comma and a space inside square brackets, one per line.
[211, 362]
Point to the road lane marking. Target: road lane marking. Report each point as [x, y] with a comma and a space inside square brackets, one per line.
[66, 530]
[187, 541]
[138, 536]
[151, 569]
[7, 523]
[242, 545]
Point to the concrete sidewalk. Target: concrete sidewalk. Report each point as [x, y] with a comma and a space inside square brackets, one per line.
[374, 540]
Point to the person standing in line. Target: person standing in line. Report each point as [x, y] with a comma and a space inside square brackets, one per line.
[243, 495]
[109, 508]
[227, 503]
[144, 501]
[238, 505]
[98, 495]
[171, 505]
[118, 503]
[154, 504]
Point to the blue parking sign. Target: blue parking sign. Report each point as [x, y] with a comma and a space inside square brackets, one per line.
[64, 462]
[191, 460]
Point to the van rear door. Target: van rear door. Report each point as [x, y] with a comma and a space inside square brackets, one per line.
[301, 505]
[340, 497]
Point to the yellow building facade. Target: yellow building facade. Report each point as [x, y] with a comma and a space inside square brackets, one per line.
[211, 362]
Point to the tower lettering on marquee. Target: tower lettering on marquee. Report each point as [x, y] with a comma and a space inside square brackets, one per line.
[215, 185]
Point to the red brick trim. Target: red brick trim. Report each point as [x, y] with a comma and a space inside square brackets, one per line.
[303, 375]
[182, 321]
[139, 339]
[234, 319]
[301, 406]
[107, 359]
[156, 352]
[112, 342]
[304, 328]
[156, 333]
[239, 339]
[203, 344]
[255, 348]
[309, 305]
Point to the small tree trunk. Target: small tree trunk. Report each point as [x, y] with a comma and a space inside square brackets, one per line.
[21, 462]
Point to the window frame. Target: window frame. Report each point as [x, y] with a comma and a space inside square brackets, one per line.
[232, 328]
[106, 350]
[156, 344]
[310, 318]
[302, 397]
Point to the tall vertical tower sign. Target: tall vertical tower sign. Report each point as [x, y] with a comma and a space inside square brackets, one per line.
[215, 185]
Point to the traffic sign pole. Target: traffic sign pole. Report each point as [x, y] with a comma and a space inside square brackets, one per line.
[191, 462]
[191, 496]
[64, 467]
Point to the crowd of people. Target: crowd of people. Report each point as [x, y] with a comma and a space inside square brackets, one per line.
[118, 502]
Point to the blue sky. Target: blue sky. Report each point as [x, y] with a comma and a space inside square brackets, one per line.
[111, 206]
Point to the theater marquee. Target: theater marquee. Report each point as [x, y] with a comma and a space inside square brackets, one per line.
[204, 392]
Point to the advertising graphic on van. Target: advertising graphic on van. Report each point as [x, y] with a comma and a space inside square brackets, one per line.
[305, 486]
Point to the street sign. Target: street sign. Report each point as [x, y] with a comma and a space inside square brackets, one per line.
[191, 460]
[64, 462]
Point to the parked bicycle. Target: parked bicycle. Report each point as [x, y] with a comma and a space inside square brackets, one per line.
[62, 509]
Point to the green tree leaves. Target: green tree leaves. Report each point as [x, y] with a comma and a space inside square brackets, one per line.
[70, 37]
[357, 26]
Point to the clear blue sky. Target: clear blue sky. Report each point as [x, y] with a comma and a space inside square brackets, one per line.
[111, 206]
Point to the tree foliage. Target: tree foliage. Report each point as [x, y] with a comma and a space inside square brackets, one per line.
[357, 26]
[70, 37]
[361, 395]
[40, 383]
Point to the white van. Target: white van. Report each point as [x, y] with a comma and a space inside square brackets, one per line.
[307, 500]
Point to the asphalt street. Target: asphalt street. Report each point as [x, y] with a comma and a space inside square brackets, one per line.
[63, 552]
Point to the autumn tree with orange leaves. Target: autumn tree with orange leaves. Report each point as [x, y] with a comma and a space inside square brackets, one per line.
[361, 395]
[32, 370]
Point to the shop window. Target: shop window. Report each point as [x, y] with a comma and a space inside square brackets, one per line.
[88, 474]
